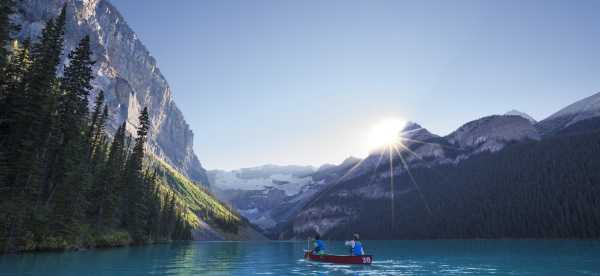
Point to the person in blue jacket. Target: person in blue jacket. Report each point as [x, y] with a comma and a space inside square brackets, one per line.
[319, 246]
[356, 248]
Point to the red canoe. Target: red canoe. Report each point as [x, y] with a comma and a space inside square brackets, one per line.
[364, 259]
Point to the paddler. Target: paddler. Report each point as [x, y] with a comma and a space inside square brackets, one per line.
[356, 248]
[319, 246]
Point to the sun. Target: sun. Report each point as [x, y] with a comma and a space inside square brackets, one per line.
[385, 133]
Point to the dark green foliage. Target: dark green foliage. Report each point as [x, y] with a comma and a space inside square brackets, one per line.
[7, 7]
[69, 175]
[137, 189]
[28, 137]
[12, 99]
[62, 184]
[96, 128]
[110, 183]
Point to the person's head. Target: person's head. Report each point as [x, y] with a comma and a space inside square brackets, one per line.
[317, 237]
[356, 237]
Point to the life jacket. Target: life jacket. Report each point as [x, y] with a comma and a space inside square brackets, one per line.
[357, 250]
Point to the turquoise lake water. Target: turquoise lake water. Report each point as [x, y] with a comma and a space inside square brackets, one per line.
[452, 257]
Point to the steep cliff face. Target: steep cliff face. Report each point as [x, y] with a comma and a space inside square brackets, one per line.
[125, 71]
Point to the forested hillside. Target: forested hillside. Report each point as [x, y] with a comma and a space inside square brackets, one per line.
[65, 183]
[536, 189]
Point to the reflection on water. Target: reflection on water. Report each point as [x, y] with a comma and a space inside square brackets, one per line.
[478, 257]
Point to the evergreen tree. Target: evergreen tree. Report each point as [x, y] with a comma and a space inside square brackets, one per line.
[168, 216]
[137, 191]
[58, 176]
[7, 7]
[70, 178]
[27, 141]
[154, 204]
[11, 101]
[112, 182]
[98, 119]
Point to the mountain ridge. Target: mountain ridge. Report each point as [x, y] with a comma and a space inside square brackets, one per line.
[487, 136]
[580, 110]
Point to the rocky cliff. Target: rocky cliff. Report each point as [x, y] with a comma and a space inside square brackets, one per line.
[125, 71]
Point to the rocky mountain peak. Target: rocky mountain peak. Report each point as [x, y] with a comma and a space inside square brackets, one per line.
[493, 132]
[125, 71]
[414, 131]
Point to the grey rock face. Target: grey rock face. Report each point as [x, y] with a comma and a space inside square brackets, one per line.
[125, 71]
[493, 132]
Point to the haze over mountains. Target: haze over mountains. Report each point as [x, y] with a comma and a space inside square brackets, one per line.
[327, 203]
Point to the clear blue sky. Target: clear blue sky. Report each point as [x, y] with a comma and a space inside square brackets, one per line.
[301, 82]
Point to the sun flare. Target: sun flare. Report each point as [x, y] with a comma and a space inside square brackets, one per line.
[386, 132]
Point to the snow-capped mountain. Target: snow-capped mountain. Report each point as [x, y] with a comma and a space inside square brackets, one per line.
[579, 111]
[125, 71]
[259, 193]
[268, 196]
[515, 112]
[288, 179]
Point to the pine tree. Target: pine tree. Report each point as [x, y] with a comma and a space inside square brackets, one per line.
[76, 86]
[112, 182]
[27, 141]
[11, 102]
[58, 175]
[12, 75]
[168, 216]
[42, 91]
[98, 119]
[137, 191]
[71, 177]
[153, 227]
[7, 7]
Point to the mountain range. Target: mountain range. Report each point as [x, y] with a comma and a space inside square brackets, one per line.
[269, 196]
[497, 170]
[330, 199]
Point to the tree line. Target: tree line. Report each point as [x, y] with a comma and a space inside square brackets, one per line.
[63, 181]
